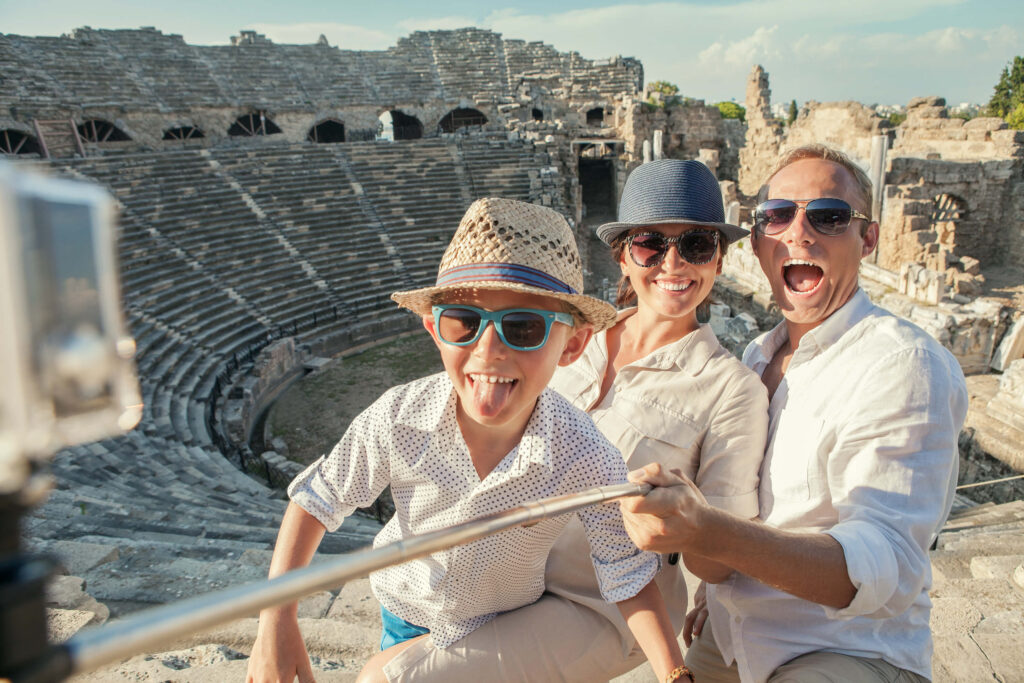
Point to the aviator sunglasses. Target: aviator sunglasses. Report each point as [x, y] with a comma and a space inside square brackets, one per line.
[521, 329]
[827, 215]
[648, 249]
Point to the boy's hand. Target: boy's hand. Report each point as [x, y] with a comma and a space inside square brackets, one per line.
[695, 618]
[279, 654]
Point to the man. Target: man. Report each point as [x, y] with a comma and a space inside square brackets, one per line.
[859, 472]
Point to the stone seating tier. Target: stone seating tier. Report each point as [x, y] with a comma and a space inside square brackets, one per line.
[146, 70]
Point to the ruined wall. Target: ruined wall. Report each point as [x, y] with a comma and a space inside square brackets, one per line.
[848, 126]
[764, 134]
[983, 201]
[929, 133]
[146, 82]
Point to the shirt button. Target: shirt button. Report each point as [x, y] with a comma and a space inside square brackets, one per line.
[737, 619]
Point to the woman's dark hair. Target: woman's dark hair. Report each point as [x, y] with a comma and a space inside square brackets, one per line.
[624, 294]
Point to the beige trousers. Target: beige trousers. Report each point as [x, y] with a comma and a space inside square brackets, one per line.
[705, 661]
[553, 639]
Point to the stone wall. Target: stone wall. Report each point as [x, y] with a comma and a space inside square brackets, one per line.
[764, 134]
[147, 81]
[848, 126]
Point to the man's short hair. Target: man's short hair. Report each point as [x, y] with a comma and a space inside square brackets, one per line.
[826, 153]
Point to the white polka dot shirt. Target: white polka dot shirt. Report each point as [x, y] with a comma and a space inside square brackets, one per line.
[409, 439]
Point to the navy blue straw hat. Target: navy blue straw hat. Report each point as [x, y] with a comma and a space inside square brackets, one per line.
[671, 191]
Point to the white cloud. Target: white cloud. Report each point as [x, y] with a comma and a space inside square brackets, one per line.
[345, 36]
[751, 49]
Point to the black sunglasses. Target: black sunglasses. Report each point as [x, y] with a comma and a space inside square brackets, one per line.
[827, 215]
[648, 249]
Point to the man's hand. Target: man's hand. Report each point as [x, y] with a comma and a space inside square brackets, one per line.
[667, 519]
[279, 654]
[695, 618]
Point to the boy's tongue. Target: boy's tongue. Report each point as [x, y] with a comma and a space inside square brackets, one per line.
[802, 278]
[490, 398]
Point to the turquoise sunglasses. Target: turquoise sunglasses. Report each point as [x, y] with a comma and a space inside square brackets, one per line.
[521, 329]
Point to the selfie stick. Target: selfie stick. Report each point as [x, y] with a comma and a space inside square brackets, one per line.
[95, 647]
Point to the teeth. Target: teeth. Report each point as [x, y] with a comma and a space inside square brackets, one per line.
[798, 262]
[674, 286]
[491, 379]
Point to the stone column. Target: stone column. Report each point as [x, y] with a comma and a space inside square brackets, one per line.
[659, 149]
[647, 151]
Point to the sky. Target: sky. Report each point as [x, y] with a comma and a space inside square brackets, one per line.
[871, 51]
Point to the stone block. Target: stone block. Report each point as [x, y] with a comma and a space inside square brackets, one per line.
[916, 223]
[77, 558]
[1011, 347]
[985, 123]
[995, 566]
[61, 624]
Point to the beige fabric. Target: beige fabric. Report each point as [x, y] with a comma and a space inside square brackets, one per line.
[689, 405]
[707, 665]
[551, 640]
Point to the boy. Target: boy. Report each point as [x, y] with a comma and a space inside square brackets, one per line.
[482, 437]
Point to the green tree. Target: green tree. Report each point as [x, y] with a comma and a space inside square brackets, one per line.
[731, 110]
[1009, 91]
[792, 113]
[668, 94]
[1015, 119]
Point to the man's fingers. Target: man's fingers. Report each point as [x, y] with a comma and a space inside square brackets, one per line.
[655, 475]
[660, 502]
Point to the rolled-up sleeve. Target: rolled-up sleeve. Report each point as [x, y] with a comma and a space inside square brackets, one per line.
[892, 474]
[622, 569]
[730, 458]
[353, 474]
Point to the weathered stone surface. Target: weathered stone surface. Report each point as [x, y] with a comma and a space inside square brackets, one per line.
[61, 624]
[1011, 347]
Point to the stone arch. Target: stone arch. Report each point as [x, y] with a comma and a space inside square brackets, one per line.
[404, 126]
[252, 124]
[327, 131]
[183, 133]
[595, 116]
[461, 117]
[16, 142]
[946, 213]
[100, 130]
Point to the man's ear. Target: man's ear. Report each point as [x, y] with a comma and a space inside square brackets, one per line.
[870, 239]
[576, 343]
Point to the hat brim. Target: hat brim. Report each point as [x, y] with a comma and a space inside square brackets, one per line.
[609, 231]
[600, 314]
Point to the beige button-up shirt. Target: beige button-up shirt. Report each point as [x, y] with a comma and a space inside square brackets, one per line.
[689, 405]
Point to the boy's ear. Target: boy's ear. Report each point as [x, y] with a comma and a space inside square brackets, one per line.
[428, 325]
[576, 343]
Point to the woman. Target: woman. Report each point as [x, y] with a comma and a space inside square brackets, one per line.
[662, 389]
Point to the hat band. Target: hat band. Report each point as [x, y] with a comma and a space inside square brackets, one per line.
[502, 272]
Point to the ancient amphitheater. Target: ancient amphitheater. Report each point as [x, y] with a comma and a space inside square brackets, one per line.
[272, 196]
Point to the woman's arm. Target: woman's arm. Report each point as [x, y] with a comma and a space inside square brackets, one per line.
[279, 653]
[648, 619]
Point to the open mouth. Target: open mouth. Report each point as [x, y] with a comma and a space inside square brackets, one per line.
[802, 276]
[490, 392]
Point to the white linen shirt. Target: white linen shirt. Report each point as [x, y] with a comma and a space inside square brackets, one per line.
[862, 446]
[689, 405]
[409, 438]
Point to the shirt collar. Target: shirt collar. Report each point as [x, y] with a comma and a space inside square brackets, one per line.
[689, 353]
[426, 413]
[816, 341]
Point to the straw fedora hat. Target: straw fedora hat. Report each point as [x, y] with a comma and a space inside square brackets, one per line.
[511, 245]
[671, 191]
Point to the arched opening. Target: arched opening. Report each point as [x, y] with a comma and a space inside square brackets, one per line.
[98, 130]
[327, 131]
[406, 127]
[596, 166]
[183, 133]
[595, 117]
[252, 124]
[537, 114]
[16, 142]
[460, 118]
[947, 211]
